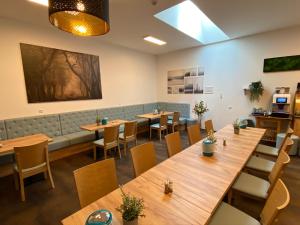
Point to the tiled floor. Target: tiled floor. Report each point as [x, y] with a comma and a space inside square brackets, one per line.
[45, 206]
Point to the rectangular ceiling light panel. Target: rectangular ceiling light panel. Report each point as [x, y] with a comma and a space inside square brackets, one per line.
[41, 2]
[189, 19]
[154, 40]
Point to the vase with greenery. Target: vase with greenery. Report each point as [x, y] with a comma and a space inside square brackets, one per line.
[256, 90]
[97, 120]
[236, 126]
[199, 109]
[131, 208]
[209, 144]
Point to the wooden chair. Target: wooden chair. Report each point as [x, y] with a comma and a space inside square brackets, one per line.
[110, 141]
[161, 126]
[129, 135]
[31, 160]
[175, 121]
[265, 166]
[173, 143]
[256, 187]
[143, 157]
[209, 126]
[194, 133]
[95, 181]
[272, 151]
[278, 199]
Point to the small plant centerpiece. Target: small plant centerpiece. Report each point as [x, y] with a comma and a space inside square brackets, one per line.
[236, 126]
[256, 90]
[132, 208]
[199, 109]
[209, 144]
[97, 120]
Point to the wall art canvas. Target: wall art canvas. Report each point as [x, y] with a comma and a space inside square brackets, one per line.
[186, 81]
[58, 75]
[280, 64]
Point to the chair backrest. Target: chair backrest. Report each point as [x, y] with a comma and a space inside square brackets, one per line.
[194, 133]
[288, 134]
[173, 143]
[209, 126]
[130, 129]
[111, 134]
[176, 116]
[95, 181]
[143, 157]
[32, 155]
[276, 202]
[163, 121]
[282, 160]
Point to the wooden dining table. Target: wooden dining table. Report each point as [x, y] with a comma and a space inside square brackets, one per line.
[7, 146]
[199, 182]
[94, 127]
[152, 116]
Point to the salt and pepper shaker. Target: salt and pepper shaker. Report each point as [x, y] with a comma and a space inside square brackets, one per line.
[168, 187]
[224, 142]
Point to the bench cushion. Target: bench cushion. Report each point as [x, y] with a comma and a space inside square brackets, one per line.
[133, 110]
[48, 125]
[150, 107]
[3, 135]
[71, 122]
[183, 108]
[80, 137]
[58, 143]
[111, 113]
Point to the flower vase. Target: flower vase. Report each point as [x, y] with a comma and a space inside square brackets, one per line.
[208, 147]
[236, 130]
[199, 119]
[132, 222]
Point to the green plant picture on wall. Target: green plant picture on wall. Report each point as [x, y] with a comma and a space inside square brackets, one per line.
[287, 63]
[58, 75]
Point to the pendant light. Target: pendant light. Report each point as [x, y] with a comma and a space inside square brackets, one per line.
[80, 17]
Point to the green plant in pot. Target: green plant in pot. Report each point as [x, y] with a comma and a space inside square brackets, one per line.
[199, 109]
[256, 90]
[236, 126]
[209, 144]
[97, 120]
[131, 208]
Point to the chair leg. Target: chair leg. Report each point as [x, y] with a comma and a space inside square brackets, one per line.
[16, 180]
[173, 128]
[50, 177]
[119, 151]
[150, 133]
[105, 153]
[95, 152]
[159, 134]
[22, 189]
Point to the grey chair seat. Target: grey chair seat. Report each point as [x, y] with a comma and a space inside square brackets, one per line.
[260, 164]
[252, 185]
[80, 137]
[99, 142]
[58, 143]
[267, 150]
[228, 215]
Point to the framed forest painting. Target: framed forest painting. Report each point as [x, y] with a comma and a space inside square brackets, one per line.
[58, 75]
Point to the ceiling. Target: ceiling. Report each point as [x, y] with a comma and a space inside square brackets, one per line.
[131, 20]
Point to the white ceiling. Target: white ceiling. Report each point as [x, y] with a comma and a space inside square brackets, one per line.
[131, 20]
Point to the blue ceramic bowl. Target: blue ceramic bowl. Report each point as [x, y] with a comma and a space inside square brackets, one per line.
[99, 217]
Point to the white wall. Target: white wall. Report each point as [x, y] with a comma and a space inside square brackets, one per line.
[127, 76]
[229, 66]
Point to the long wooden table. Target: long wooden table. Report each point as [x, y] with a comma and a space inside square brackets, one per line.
[200, 183]
[8, 145]
[96, 128]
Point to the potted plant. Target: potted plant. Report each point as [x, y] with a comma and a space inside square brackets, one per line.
[209, 144]
[236, 126]
[97, 120]
[131, 208]
[256, 90]
[199, 109]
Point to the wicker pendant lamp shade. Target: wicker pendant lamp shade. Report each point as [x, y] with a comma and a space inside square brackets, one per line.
[80, 17]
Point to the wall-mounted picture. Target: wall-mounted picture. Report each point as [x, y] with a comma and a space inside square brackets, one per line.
[58, 75]
[186, 81]
[280, 64]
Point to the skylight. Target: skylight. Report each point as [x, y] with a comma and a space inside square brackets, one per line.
[189, 19]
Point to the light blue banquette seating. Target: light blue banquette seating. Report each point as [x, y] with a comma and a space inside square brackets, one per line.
[65, 129]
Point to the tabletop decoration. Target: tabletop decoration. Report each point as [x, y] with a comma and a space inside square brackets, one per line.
[168, 187]
[236, 126]
[100, 217]
[104, 121]
[97, 120]
[131, 208]
[209, 144]
[224, 142]
[199, 109]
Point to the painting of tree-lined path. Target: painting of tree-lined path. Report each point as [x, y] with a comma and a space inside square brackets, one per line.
[58, 75]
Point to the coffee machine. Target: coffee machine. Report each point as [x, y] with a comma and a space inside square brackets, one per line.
[281, 103]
